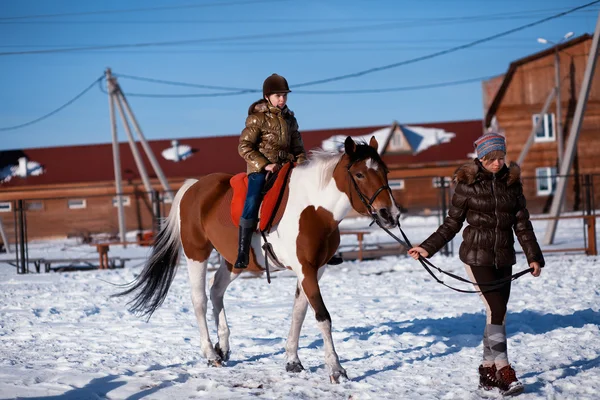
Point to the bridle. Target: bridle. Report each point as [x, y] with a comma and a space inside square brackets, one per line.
[368, 202]
[425, 263]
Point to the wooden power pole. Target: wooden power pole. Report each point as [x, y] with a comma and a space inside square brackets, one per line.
[567, 161]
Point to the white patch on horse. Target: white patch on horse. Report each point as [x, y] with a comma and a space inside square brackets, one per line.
[311, 184]
[371, 164]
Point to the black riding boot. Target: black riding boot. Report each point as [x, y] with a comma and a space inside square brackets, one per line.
[336, 259]
[247, 228]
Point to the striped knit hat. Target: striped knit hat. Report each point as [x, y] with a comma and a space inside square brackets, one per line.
[489, 142]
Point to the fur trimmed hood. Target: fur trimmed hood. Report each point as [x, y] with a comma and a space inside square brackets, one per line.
[262, 106]
[473, 171]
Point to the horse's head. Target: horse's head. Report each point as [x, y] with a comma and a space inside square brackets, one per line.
[362, 175]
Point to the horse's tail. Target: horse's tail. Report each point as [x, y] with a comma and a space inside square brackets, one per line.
[153, 283]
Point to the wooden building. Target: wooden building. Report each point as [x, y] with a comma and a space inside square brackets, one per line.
[69, 191]
[516, 99]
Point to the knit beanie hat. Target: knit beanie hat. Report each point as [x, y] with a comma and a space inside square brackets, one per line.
[489, 142]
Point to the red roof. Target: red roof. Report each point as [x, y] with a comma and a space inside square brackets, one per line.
[94, 163]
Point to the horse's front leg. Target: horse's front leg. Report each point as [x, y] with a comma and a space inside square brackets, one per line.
[291, 346]
[310, 286]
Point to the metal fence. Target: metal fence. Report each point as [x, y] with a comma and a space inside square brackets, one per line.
[94, 218]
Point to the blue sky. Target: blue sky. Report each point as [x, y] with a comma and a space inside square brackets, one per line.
[363, 34]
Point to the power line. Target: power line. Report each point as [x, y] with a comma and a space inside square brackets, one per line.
[316, 92]
[8, 128]
[132, 10]
[520, 14]
[443, 52]
[392, 25]
[175, 83]
[206, 40]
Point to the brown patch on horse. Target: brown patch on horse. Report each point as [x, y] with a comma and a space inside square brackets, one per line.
[206, 218]
[318, 240]
[196, 244]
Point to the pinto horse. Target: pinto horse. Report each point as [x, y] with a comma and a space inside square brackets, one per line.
[321, 192]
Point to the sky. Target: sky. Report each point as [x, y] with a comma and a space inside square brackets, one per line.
[398, 334]
[241, 42]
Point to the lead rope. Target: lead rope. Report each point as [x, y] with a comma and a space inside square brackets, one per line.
[425, 263]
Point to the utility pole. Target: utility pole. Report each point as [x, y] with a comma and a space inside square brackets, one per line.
[567, 161]
[116, 156]
[559, 131]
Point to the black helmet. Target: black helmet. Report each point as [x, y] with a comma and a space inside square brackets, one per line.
[275, 84]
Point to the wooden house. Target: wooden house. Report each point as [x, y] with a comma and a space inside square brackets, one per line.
[516, 100]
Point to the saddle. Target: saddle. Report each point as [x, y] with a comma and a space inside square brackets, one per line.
[275, 196]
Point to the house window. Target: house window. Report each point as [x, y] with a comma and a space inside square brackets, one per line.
[5, 206]
[396, 184]
[545, 178]
[75, 204]
[126, 201]
[437, 181]
[545, 133]
[397, 140]
[35, 206]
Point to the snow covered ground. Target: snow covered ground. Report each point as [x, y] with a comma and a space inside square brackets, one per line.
[398, 333]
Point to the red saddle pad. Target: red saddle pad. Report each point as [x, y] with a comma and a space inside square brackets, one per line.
[239, 184]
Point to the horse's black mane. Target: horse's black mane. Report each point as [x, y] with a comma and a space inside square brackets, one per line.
[363, 151]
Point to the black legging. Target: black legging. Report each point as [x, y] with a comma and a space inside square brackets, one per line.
[496, 299]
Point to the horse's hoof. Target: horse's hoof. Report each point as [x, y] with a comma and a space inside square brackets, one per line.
[219, 351]
[294, 367]
[335, 377]
[215, 363]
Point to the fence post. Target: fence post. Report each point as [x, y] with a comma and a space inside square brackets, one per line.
[21, 239]
[156, 211]
[444, 209]
[592, 249]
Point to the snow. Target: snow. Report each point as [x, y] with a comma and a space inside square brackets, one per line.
[336, 143]
[178, 152]
[399, 335]
[420, 138]
[23, 169]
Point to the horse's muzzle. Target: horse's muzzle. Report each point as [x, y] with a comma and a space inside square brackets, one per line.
[388, 219]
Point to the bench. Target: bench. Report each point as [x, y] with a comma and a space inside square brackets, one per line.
[103, 247]
[360, 234]
[69, 264]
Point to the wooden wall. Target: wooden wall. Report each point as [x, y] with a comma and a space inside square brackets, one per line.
[525, 96]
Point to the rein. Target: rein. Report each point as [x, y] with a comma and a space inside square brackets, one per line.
[425, 263]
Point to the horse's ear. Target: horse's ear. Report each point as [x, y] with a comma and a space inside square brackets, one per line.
[373, 143]
[349, 146]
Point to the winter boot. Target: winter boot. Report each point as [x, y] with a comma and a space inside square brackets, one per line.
[336, 259]
[508, 383]
[246, 230]
[487, 377]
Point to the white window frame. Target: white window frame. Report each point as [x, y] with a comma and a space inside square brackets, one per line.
[548, 128]
[549, 179]
[437, 184]
[40, 202]
[396, 184]
[126, 201]
[80, 206]
[4, 208]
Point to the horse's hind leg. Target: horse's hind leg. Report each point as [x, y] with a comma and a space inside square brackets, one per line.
[223, 277]
[197, 273]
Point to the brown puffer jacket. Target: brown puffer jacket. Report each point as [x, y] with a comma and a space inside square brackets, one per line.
[494, 206]
[271, 137]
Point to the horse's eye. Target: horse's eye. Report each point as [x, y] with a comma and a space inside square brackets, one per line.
[359, 175]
